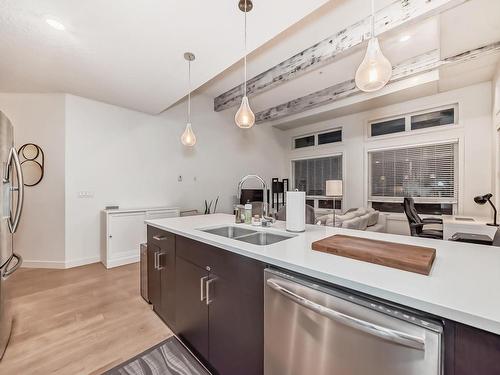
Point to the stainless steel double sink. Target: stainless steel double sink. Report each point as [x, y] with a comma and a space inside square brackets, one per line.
[260, 238]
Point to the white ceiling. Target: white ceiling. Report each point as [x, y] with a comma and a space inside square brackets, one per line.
[130, 53]
[117, 52]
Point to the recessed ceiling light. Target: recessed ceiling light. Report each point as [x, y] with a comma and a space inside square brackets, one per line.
[55, 24]
[405, 38]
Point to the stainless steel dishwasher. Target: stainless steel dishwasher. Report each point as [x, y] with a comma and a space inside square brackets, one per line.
[311, 329]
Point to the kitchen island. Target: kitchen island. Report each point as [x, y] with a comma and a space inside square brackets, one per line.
[460, 288]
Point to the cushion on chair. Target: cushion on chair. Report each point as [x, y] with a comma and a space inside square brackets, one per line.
[373, 219]
[431, 233]
[339, 219]
[361, 211]
[352, 223]
[363, 221]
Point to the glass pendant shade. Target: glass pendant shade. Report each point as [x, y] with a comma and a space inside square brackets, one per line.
[188, 138]
[375, 70]
[244, 118]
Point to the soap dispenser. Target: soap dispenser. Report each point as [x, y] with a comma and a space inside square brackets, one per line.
[248, 213]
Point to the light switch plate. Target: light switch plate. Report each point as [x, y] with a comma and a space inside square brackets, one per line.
[85, 194]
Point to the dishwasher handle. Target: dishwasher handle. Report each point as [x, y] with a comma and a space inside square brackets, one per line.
[388, 334]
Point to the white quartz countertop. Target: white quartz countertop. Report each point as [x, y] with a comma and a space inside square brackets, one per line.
[463, 284]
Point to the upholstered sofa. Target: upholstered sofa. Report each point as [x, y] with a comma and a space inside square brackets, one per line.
[360, 218]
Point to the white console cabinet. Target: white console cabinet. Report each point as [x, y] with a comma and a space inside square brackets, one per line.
[123, 231]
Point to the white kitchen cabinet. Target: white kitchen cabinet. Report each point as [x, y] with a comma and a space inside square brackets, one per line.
[124, 230]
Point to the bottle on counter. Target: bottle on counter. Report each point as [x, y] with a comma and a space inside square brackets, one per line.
[239, 213]
[248, 213]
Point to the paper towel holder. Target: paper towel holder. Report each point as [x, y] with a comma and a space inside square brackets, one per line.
[295, 227]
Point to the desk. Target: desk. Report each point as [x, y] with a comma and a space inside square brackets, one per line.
[467, 224]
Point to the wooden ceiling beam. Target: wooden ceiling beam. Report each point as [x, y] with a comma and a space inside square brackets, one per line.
[412, 67]
[400, 12]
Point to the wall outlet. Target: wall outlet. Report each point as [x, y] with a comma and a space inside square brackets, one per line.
[85, 194]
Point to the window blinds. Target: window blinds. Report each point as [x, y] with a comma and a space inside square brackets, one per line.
[310, 175]
[425, 172]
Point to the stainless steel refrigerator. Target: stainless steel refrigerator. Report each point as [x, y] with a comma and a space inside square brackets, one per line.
[11, 206]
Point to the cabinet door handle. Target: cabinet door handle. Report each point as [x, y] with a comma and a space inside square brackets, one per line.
[202, 289]
[208, 300]
[160, 267]
[155, 266]
[159, 238]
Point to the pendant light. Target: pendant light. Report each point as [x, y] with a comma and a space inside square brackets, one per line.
[188, 138]
[375, 70]
[245, 118]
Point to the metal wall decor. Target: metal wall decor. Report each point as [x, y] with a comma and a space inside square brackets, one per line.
[32, 163]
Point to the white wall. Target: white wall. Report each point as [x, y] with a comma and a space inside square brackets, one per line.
[473, 133]
[39, 119]
[132, 159]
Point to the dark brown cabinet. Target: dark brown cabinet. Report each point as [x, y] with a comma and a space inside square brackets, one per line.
[470, 351]
[236, 325]
[191, 310]
[161, 274]
[220, 307]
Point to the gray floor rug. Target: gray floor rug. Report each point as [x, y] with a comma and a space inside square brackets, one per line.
[169, 357]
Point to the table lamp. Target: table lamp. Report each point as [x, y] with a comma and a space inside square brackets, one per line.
[334, 189]
[482, 199]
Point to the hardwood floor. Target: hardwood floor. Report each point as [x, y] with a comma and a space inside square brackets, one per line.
[83, 320]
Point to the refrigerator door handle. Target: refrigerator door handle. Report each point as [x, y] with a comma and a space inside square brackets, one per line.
[14, 160]
[9, 271]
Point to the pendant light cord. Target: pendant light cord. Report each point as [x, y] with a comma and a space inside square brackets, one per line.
[189, 92]
[245, 58]
[373, 18]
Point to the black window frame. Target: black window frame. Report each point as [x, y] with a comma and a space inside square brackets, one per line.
[385, 123]
[336, 133]
[410, 126]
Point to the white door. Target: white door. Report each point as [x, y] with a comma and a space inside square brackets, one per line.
[126, 232]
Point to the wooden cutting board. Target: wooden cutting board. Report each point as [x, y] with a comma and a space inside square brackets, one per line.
[404, 257]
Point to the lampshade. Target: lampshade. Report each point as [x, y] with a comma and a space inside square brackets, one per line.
[334, 188]
[244, 118]
[375, 70]
[188, 138]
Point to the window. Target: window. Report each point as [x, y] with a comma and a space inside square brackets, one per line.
[427, 173]
[414, 121]
[310, 175]
[330, 137]
[304, 141]
[437, 118]
[318, 139]
[388, 127]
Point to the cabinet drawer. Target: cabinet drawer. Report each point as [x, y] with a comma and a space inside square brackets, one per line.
[195, 252]
[160, 238]
[242, 272]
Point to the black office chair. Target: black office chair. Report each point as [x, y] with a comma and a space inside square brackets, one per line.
[417, 223]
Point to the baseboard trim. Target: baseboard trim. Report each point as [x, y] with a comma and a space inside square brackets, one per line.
[43, 264]
[82, 262]
[59, 265]
[122, 261]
